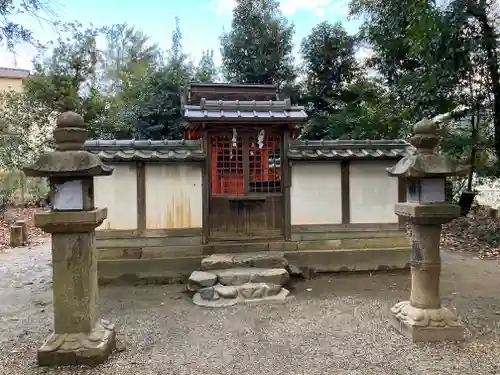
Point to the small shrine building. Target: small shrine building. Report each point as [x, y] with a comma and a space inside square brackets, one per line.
[241, 181]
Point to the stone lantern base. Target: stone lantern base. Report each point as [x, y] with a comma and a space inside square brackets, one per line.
[426, 324]
[79, 348]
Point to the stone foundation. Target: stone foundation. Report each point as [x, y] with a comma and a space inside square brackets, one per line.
[126, 257]
[426, 325]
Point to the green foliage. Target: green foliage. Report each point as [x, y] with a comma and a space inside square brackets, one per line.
[26, 128]
[206, 71]
[156, 112]
[9, 185]
[37, 190]
[341, 101]
[329, 65]
[157, 115]
[258, 48]
[66, 80]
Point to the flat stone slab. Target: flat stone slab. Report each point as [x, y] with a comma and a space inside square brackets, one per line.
[239, 276]
[200, 279]
[266, 259]
[282, 296]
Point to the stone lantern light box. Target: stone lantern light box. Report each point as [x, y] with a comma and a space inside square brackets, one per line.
[72, 194]
[426, 190]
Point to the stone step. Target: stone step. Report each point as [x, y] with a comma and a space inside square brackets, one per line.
[223, 296]
[265, 259]
[237, 276]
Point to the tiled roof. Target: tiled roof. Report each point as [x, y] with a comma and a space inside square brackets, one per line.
[192, 150]
[145, 150]
[244, 110]
[13, 73]
[349, 149]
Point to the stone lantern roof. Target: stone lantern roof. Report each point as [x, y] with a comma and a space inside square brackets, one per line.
[69, 159]
[426, 162]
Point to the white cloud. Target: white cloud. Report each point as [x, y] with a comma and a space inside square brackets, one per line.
[289, 7]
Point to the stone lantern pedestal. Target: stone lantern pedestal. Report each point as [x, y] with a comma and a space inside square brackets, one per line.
[80, 336]
[423, 318]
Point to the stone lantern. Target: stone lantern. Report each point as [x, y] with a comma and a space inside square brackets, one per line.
[80, 336]
[423, 318]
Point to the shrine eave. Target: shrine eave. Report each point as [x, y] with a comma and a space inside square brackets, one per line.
[239, 115]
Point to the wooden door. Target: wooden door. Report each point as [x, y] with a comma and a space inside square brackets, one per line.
[246, 198]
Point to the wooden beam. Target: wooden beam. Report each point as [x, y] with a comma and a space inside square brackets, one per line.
[345, 191]
[206, 184]
[286, 183]
[141, 197]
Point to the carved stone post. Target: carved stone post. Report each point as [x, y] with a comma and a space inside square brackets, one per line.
[80, 336]
[422, 318]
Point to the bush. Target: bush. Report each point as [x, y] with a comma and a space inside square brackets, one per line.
[9, 184]
[38, 190]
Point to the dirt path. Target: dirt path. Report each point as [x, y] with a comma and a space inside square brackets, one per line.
[336, 325]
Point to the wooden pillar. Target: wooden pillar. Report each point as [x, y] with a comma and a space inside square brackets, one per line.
[206, 184]
[286, 180]
[345, 191]
[141, 197]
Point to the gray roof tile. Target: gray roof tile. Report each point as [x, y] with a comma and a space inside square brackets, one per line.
[192, 150]
[244, 110]
[349, 149]
[145, 150]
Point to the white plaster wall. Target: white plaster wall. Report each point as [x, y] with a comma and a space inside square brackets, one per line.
[173, 196]
[315, 195]
[373, 193]
[118, 193]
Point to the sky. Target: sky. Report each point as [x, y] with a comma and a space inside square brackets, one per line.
[201, 21]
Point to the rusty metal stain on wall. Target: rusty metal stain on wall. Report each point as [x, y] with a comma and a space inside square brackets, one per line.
[176, 214]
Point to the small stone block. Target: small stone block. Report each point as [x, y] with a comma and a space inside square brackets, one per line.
[200, 279]
[239, 276]
[79, 348]
[16, 236]
[23, 224]
[209, 294]
[226, 291]
[258, 290]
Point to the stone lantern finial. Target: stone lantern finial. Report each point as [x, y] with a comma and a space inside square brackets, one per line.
[425, 137]
[70, 133]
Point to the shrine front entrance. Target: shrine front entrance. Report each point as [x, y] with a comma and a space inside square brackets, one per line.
[246, 194]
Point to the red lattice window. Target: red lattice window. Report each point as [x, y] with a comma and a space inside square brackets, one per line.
[227, 166]
[264, 164]
[233, 174]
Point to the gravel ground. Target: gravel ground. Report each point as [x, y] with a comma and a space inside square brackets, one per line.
[335, 325]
